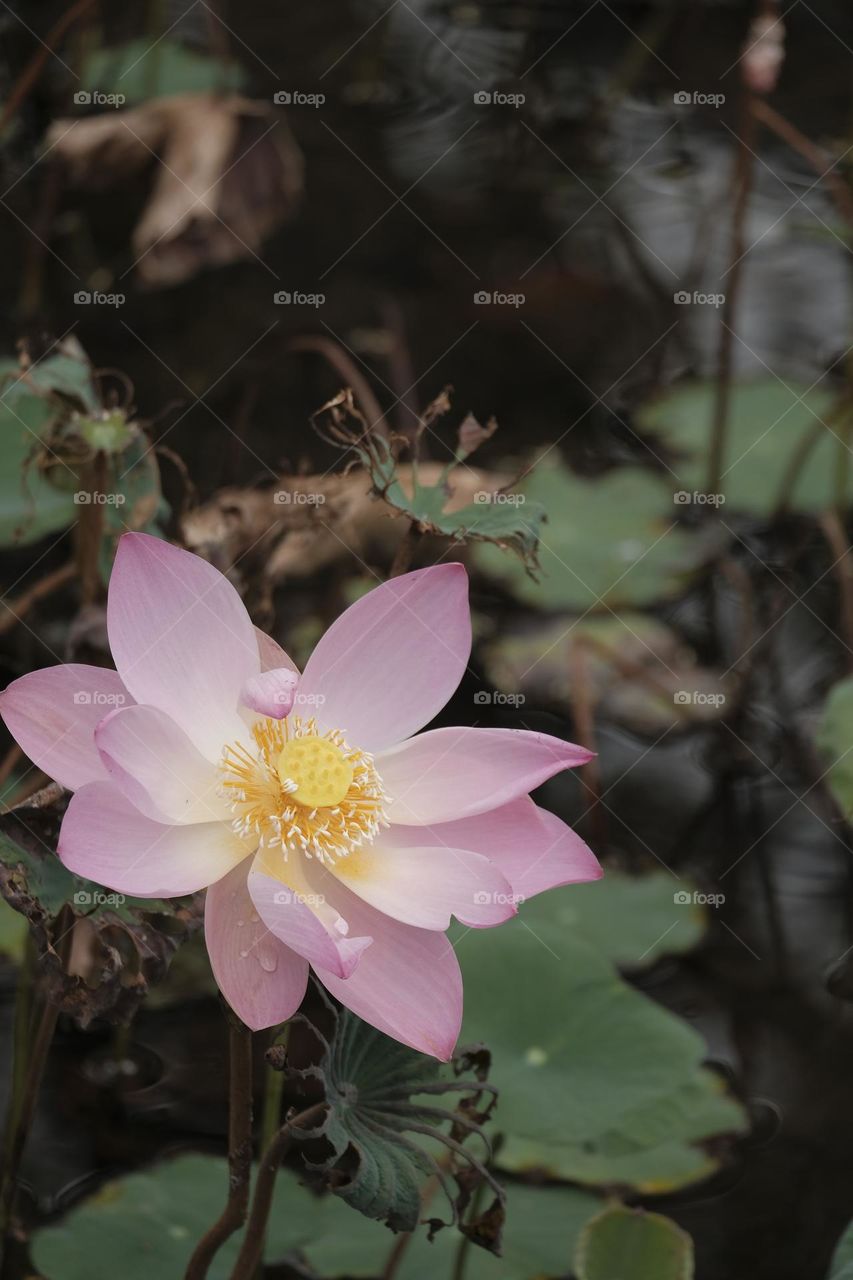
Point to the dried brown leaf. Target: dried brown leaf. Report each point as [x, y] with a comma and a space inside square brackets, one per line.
[230, 173]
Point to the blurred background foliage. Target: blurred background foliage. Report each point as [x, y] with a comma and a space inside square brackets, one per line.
[657, 531]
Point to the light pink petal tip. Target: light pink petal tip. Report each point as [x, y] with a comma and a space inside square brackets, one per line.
[271, 693]
[181, 638]
[392, 660]
[454, 773]
[407, 984]
[104, 838]
[52, 715]
[533, 848]
[263, 980]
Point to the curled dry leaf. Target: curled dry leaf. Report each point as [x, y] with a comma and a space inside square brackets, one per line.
[309, 523]
[472, 434]
[490, 517]
[230, 172]
[119, 946]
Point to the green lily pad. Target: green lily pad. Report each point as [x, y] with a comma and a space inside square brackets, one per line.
[628, 1244]
[768, 421]
[654, 1150]
[835, 740]
[143, 68]
[147, 1224]
[597, 1083]
[609, 542]
[630, 919]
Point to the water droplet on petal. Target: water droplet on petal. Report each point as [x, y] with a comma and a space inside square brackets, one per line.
[243, 955]
[268, 961]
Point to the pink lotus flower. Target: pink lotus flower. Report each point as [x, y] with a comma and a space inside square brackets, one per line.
[325, 833]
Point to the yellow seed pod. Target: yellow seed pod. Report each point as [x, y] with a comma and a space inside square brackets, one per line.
[321, 773]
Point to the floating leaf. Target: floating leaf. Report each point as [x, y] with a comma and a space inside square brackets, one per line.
[835, 739]
[655, 1149]
[628, 1244]
[586, 1066]
[768, 422]
[147, 1225]
[609, 542]
[372, 1086]
[131, 940]
[631, 919]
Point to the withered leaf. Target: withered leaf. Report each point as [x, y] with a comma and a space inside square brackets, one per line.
[230, 173]
[280, 536]
[121, 945]
[504, 519]
[472, 434]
